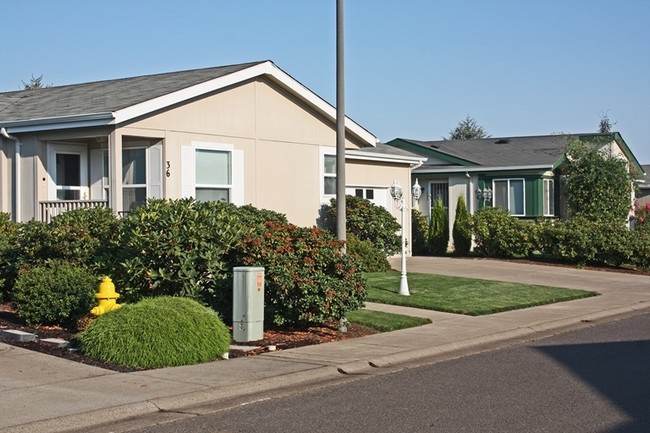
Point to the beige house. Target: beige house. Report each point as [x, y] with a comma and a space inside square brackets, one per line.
[247, 133]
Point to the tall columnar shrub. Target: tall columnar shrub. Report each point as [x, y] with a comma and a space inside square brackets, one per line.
[176, 247]
[366, 221]
[462, 230]
[307, 277]
[57, 293]
[599, 184]
[419, 233]
[155, 333]
[438, 229]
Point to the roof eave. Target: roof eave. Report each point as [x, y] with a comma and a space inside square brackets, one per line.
[267, 68]
[461, 169]
[55, 123]
[382, 157]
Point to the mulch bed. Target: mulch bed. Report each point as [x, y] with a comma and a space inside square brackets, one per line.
[280, 338]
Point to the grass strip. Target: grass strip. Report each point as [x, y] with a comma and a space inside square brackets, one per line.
[385, 322]
[460, 295]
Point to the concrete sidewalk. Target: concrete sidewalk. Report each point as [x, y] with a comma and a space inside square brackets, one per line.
[39, 393]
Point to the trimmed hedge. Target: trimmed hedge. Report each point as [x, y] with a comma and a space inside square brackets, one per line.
[369, 257]
[155, 333]
[462, 230]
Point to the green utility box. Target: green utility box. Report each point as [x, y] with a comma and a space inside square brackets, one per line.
[248, 304]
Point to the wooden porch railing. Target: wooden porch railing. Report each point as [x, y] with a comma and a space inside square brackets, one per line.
[50, 209]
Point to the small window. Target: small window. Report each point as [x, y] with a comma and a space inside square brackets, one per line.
[329, 174]
[508, 194]
[549, 197]
[134, 177]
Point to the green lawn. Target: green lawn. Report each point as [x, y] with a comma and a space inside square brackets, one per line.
[464, 295]
[385, 322]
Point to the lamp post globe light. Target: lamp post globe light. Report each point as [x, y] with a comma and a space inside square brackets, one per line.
[398, 196]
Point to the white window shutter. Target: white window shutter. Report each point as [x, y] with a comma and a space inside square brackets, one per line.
[97, 174]
[237, 171]
[188, 171]
[155, 174]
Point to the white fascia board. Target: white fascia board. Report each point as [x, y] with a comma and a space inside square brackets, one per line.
[474, 169]
[266, 68]
[382, 157]
[56, 123]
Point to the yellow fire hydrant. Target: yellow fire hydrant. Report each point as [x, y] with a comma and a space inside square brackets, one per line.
[106, 298]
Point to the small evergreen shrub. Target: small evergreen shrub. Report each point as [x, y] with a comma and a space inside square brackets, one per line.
[307, 277]
[366, 221]
[55, 293]
[419, 233]
[369, 257]
[438, 229]
[155, 333]
[462, 230]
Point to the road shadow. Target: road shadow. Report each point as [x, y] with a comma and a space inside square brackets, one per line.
[619, 370]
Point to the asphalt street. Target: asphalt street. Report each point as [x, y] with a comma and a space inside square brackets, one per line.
[596, 379]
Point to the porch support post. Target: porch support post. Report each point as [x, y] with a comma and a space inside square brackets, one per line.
[115, 171]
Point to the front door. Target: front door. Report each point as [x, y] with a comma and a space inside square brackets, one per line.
[68, 169]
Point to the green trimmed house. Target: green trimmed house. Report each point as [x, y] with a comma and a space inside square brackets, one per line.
[520, 174]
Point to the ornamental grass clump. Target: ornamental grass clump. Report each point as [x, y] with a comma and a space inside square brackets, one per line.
[157, 332]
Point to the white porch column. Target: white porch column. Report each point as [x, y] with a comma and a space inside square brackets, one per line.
[115, 171]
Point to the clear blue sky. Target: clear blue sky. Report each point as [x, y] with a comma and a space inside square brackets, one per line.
[414, 68]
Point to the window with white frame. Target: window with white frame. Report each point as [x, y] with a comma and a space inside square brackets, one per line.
[329, 175]
[134, 177]
[68, 172]
[213, 175]
[508, 194]
[549, 197]
[212, 172]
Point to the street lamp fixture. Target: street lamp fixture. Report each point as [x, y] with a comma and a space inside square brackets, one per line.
[398, 196]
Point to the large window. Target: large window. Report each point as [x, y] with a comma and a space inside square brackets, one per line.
[549, 197]
[213, 175]
[508, 194]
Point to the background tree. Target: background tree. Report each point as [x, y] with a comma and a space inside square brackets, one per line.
[467, 129]
[599, 185]
[35, 83]
[605, 125]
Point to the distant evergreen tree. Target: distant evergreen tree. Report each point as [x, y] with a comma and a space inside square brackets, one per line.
[467, 129]
[35, 83]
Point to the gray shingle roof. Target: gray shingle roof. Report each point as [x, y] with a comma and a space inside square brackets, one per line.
[503, 151]
[646, 178]
[102, 96]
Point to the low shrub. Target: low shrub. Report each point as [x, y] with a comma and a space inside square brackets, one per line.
[55, 293]
[369, 257]
[366, 221]
[8, 233]
[307, 277]
[155, 333]
[498, 234]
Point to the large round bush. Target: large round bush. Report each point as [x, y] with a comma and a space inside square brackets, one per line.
[157, 332]
[56, 293]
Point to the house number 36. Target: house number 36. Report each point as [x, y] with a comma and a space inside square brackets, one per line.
[167, 172]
